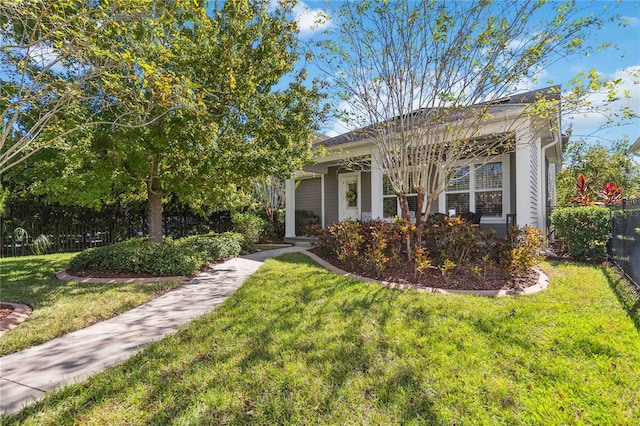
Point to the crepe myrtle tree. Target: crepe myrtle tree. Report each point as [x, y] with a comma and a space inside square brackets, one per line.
[231, 119]
[426, 79]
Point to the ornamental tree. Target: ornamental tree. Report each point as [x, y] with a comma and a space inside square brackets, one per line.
[424, 79]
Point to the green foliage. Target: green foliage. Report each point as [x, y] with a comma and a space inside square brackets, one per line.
[421, 260]
[600, 164]
[4, 194]
[450, 238]
[525, 251]
[40, 245]
[368, 246]
[139, 255]
[517, 252]
[585, 230]
[304, 219]
[212, 247]
[210, 79]
[253, 227]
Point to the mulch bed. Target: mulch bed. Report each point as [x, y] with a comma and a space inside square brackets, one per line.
[5, 310]
[459, 278]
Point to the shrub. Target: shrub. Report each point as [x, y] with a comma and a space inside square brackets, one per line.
[138, 255]
[585, 230]
[525, 251]
[211, 247]
[304, 219]
[516, 253]
[450, 238]
[253, 227]
[370, 246]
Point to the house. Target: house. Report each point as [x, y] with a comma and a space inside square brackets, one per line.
[635, 148]
[518, 185]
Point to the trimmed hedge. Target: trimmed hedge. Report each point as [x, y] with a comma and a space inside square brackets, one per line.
[585, 230]
[138, 255]
[211, 247]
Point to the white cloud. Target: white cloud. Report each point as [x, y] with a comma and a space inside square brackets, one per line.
[338, 126]
[588, 123]
[310, 20]
[631, 20]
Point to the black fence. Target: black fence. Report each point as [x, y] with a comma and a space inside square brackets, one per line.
[72, 228]
[624, 248]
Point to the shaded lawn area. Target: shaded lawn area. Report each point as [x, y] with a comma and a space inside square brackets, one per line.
[60, 307]
[300, 345]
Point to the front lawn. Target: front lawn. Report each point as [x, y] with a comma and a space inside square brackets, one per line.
[300, 345]
[60, 307]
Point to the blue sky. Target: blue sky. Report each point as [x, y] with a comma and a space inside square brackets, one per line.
[616, 61]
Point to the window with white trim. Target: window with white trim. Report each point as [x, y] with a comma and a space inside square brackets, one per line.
[390, 204]
[480, 191]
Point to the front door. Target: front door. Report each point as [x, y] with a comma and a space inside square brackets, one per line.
[349, 196]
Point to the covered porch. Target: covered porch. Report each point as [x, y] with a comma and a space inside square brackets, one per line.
[512, 188]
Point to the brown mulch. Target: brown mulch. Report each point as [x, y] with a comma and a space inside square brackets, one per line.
[5, 310]
[459, 278]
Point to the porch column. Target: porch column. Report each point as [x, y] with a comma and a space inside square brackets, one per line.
[377, 207]
[290, 208]
[322, 200]
[525, 174]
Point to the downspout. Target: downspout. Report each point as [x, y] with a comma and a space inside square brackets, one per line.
[557, 139]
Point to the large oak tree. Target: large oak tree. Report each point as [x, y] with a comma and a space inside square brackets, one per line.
[208, 82]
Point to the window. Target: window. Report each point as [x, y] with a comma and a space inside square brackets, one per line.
[390, 205]
[389, 199]
[352, 194]
[488, 189]
[457, 196]
[479, 190]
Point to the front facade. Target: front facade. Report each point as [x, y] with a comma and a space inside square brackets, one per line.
[516, 187]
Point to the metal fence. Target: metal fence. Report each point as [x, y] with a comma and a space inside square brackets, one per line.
[70, 228]
[624, 248]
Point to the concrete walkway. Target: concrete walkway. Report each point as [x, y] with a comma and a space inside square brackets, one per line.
[25, 376]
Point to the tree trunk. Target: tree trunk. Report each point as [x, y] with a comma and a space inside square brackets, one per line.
[404, 207]
[422, 221]
[155, 194]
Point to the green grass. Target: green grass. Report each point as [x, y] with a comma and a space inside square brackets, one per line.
[300, 345]
[60, 307]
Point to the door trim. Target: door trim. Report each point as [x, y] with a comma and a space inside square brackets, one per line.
[342, 178]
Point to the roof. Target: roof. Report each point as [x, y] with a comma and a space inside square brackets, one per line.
[498, 105]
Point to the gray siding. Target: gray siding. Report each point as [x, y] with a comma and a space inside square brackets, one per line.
[308, 196]
[331, 196]
[365, 186]
[435, 207]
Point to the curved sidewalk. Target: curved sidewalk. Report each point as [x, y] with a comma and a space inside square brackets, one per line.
[26, 375]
